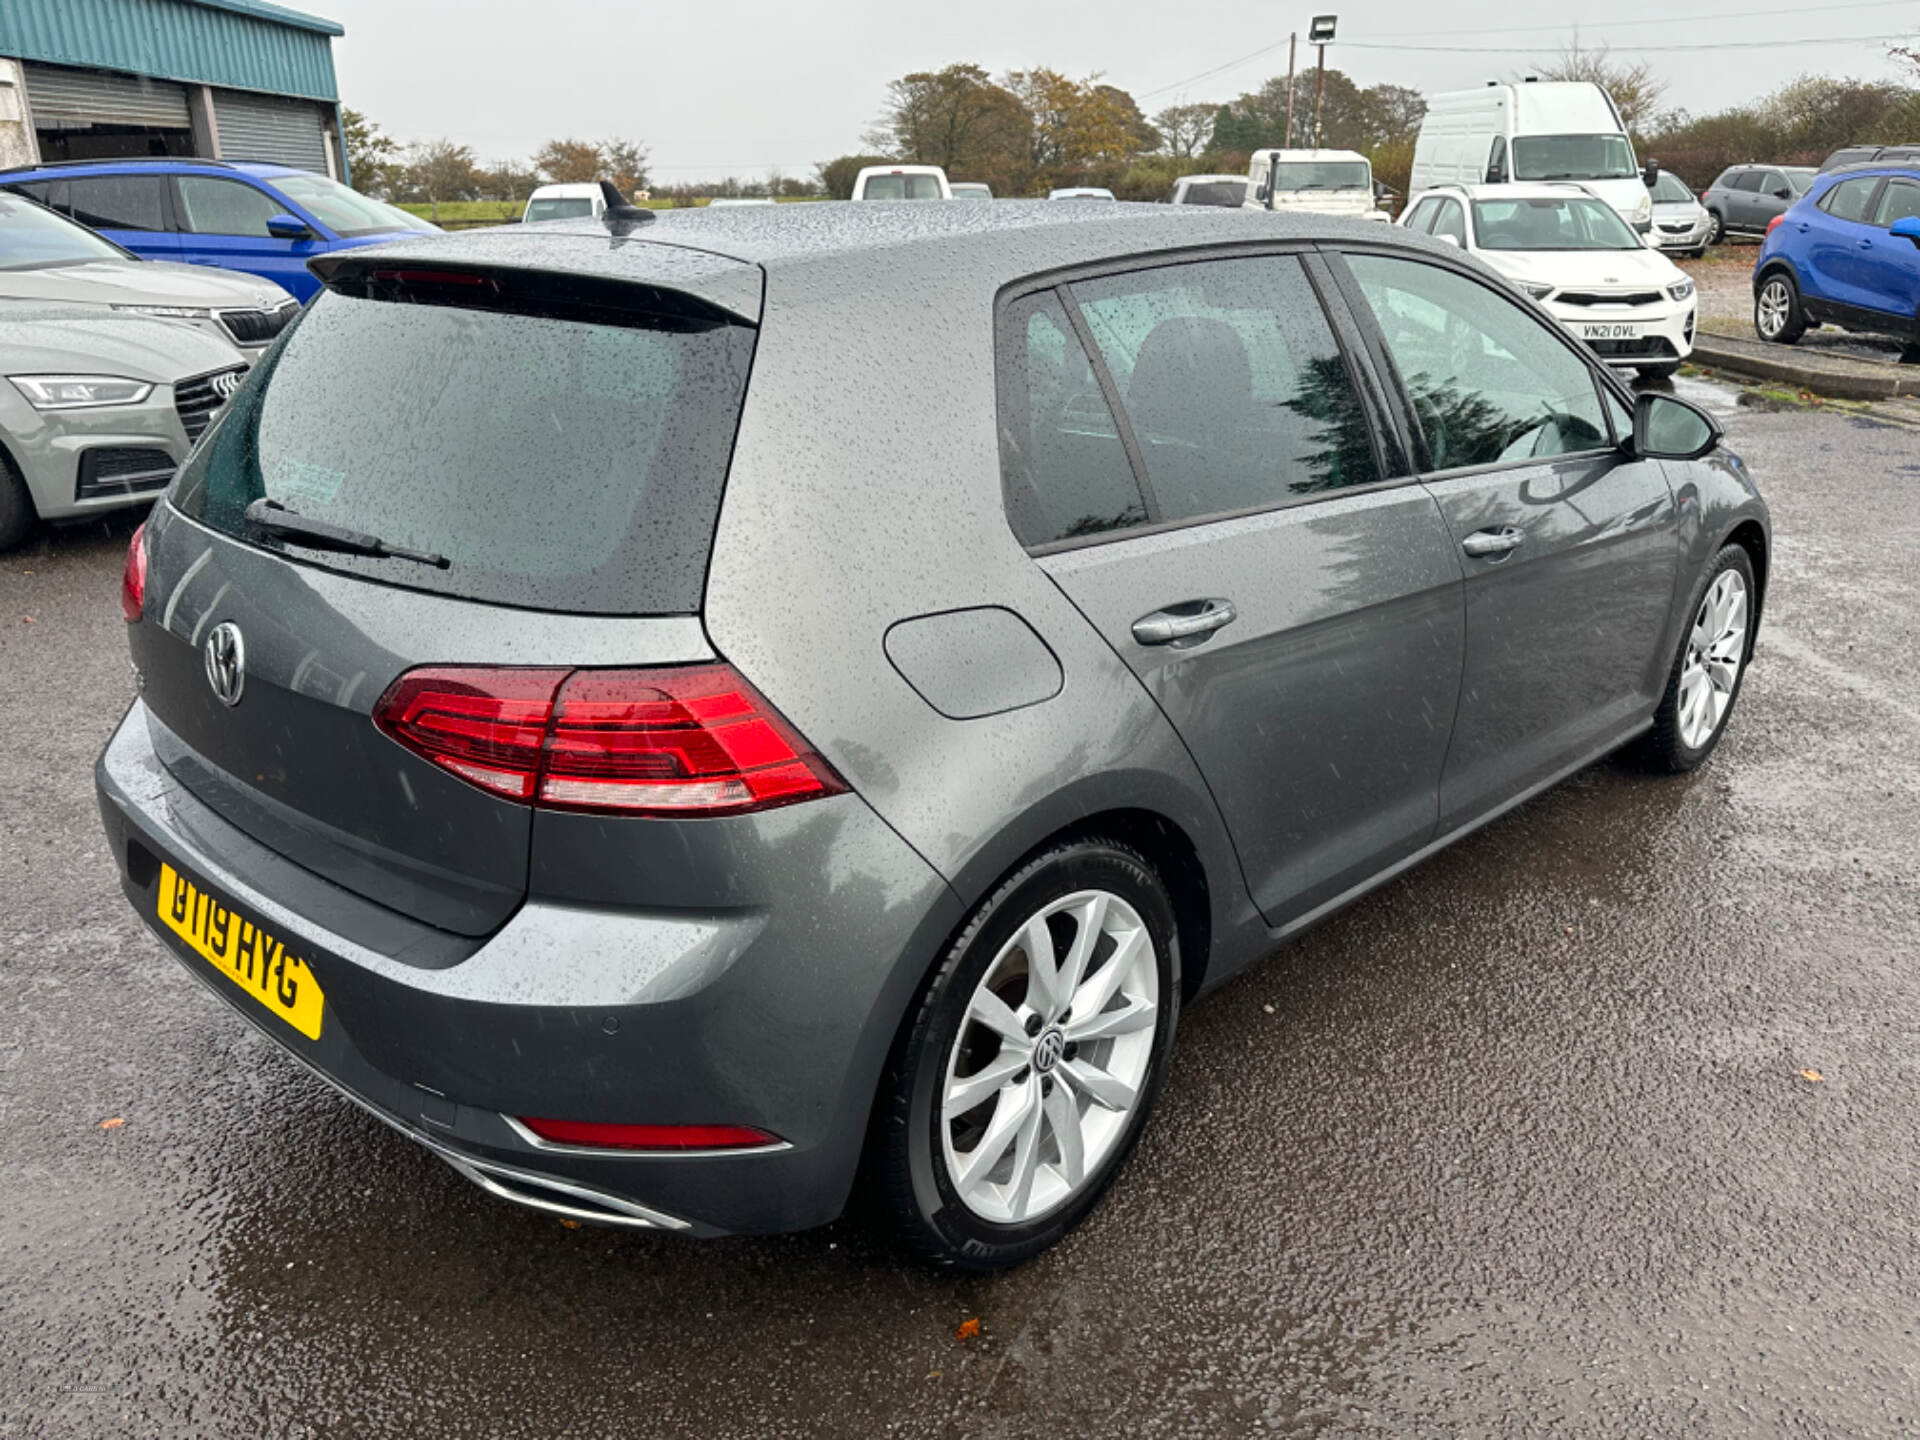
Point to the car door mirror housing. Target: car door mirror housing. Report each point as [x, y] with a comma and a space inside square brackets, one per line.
[1650, 176]
[1453, 240]
[1666, 427]
[288, 227]
[1907, 227]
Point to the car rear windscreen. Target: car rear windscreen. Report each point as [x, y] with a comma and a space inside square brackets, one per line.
[573, 208]
[552, 463]
[1217, 192]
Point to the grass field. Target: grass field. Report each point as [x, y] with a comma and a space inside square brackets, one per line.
[472, 212]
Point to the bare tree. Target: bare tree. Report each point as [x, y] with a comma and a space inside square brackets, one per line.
[439, 170]
[1185, 130]
[1635, 88]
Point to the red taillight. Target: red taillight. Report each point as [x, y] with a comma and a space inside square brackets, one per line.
[486, 726]
[650, 1137]
[1773, 222]
[133, 579]
[689, 740]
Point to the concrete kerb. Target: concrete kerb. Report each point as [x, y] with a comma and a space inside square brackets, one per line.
[1833, 376]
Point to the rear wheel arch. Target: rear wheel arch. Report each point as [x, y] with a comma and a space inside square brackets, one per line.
[1144, 822]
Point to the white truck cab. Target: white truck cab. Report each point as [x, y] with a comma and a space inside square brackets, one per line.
[902, 182]
[576, 201]
[1312, 182]
[1534, 131]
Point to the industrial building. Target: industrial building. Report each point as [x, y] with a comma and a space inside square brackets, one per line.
[219, 79]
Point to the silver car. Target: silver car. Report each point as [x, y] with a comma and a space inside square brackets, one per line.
[673, 714]
[1681, 224]
[49, 259]
[98, 409]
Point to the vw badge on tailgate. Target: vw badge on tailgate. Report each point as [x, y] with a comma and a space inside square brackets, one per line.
[226, 656]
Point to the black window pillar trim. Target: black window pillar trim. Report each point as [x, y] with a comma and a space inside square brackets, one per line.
[1391, 455]
[1413, 437]
[1121, 423]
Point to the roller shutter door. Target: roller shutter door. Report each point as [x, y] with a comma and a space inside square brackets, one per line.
[65, 99]
[267, 128]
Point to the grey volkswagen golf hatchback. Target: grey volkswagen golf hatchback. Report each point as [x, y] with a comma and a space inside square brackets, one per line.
[670, 715]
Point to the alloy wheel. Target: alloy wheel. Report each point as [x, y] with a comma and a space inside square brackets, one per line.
[1775, 305]
[1048, 1065]
[1716, 648]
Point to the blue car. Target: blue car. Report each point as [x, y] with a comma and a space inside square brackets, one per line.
[265, 220]
[1846, 253]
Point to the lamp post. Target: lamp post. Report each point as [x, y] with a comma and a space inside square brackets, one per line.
[1293, 44]
[1320, 33]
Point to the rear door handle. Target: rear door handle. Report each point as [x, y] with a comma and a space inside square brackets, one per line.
[1494, 544]
[1188, 623]
[1866, 244]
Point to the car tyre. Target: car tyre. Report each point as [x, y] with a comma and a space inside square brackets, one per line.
[961, 1083]
[1777, 316]
[1708, 667]
[1716, 229]
[1665, 371]
[17, 515]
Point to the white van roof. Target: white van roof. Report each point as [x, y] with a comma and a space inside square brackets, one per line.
[1281, 157]
[572, 190]
[1540, 107]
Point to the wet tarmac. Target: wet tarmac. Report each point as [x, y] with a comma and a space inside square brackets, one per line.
[1528, 1141]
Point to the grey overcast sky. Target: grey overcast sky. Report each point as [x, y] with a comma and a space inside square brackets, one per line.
[741, 86]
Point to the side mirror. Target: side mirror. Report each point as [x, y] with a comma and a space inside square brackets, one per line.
[1453, 240]
[1666, 427]
[288, 227]
[1907, 227]
[1783, 194]
[1650, 176]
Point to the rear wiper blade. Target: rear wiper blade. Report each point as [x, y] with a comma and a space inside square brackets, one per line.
[271, 515]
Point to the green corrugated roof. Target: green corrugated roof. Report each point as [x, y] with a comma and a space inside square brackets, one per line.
[243, 44]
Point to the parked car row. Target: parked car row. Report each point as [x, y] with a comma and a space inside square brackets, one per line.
[135, 294]
[112, 365]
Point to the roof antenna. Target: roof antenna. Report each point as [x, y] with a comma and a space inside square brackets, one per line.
[622, 216]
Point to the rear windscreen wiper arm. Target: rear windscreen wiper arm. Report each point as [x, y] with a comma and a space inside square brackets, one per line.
[272, 515]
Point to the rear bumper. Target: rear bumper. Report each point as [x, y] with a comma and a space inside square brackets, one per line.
[776, 1017]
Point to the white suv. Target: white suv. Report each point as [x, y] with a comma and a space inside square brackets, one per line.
[1571, 251]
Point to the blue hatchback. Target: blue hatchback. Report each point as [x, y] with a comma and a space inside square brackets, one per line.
[1847, 253]
[265, 220]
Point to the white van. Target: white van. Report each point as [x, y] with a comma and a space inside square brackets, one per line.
[1535, 130]
[577, 201]
[1312, 182]
[902, 182]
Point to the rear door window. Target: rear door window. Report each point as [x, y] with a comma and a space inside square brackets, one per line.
[1065, 472]
[1422, 218]
[224, 207]
[555, 463]
[1236, 392]
[118, 202]
[1849, 199]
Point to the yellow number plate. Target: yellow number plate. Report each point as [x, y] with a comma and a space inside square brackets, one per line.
[243, 952]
